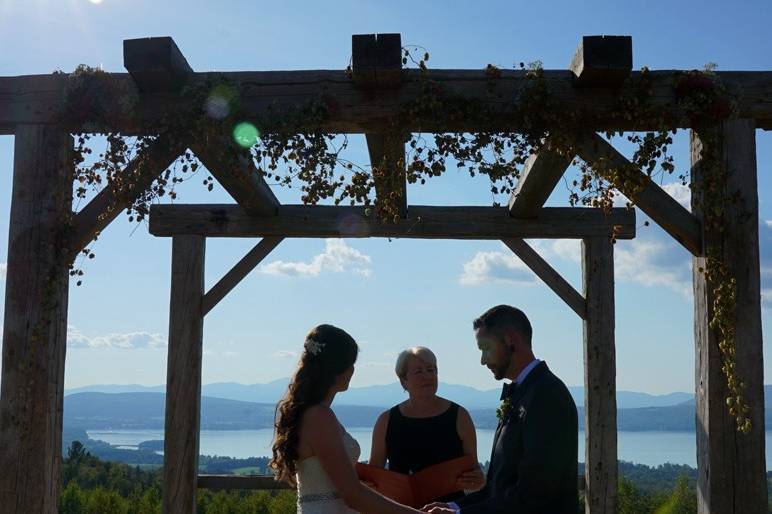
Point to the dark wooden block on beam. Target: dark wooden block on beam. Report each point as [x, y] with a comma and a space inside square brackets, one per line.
[155, 64]
[376, 59]
[602, 61]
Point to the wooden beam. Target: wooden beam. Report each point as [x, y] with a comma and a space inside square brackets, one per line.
[376, 60]
[155, 64]
[602, 61]
[548, 274]
[38, 99]
[600, 408]
[231, 279]
[541, 174]
[183, 376]
[387, 152]
[118, 196]
[35, 323]
[377, 65]
[227, 482]
[731, 466]
[673, 217]
[423, 222]
[236, 172]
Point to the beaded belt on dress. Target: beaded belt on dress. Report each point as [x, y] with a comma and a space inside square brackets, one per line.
[320, 497]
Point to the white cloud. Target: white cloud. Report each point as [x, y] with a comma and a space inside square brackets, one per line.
[491, 267]
[128, 340]
[285, 354]
[681, 193]
[653, 258]
[337, 257]
[3, 270]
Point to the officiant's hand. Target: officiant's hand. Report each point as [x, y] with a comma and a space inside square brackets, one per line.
[438, 508]
[471, 480]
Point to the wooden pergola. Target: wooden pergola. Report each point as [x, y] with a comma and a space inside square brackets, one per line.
[732, 471]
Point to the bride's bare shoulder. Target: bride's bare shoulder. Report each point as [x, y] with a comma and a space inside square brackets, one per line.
[319, 414]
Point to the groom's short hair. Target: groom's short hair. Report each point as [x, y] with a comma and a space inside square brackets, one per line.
[500, 317]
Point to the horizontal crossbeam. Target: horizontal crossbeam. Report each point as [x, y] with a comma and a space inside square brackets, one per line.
[423, 222]
[38, 99]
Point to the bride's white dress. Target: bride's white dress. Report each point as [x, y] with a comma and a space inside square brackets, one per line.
[316, 494]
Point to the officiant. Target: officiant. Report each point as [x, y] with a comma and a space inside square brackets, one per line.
[425, 429]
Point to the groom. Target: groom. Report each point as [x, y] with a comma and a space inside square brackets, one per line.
[533, 465]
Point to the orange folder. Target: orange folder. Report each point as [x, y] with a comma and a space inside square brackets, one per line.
[420, 488]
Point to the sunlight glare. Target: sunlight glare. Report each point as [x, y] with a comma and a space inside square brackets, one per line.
[245, 134]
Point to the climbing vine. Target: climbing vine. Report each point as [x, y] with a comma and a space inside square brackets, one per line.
[290, 147]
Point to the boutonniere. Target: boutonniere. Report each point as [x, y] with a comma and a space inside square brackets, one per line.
[504, 408]
[521, 412]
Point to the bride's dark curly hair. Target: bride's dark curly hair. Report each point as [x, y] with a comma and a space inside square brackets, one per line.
[329, 351]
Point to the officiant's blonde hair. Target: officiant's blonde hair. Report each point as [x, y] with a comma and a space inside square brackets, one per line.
[421, 352]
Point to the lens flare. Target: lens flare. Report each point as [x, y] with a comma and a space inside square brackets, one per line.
[222, 101]
[245, 134]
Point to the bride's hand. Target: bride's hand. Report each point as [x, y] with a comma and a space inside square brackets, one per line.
[471, 480]
[437, 508]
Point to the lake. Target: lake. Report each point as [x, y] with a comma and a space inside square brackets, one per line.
[650, 448]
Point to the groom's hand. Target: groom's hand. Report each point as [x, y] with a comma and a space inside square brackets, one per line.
[471, 480]
[438, 508]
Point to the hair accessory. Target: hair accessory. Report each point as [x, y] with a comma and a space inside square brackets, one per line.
[313, 346]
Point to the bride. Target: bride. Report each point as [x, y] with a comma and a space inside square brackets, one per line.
[311, 450]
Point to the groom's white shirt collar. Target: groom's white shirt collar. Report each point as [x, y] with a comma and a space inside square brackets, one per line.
[526, 370]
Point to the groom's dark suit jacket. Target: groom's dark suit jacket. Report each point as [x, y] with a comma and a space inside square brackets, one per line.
[533, 465]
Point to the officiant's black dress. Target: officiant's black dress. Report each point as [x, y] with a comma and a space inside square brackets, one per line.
[413, 444]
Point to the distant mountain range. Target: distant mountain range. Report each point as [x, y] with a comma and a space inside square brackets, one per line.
[106, 411]
[384, 395]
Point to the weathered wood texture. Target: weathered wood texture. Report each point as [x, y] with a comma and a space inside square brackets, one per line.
[600, 414]
[236, 274]
[602, 61]
[237, 173]
[387, 152]
[118, 196]
[548, 274]
[376, 64]
[38, 98]
[540, 176]
[183, 375]
[376, 60]
[731, 465]
[673, 217]
[35, 324]
[225, 220]
[155, 64]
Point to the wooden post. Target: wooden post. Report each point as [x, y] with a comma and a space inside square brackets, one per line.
[600, 408]
[35, 326]
[731, 465]
[183, 375]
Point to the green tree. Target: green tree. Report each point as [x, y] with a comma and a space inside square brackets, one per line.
[630, 500]
[72, 500]
[683, 499]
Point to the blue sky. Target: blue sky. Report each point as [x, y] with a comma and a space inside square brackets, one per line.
[388, 294]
